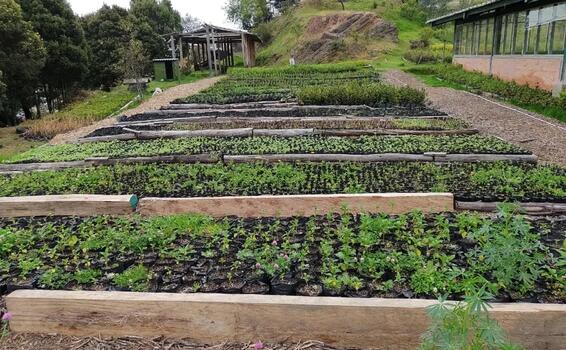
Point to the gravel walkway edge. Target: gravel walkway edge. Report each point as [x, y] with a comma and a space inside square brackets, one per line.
[153, 103]
[543, 136]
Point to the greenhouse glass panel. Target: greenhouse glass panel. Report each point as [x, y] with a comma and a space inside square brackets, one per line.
[559, 37]
[520, 34]
[542, 47]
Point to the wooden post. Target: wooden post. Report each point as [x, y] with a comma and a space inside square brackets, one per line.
[208, 49]
[214, 53]
[244, 50]
[180, 48]
[231, 53]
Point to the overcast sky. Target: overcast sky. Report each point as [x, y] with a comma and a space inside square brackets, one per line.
[210, 11]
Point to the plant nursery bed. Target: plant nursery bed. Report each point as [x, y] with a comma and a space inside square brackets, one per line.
[489, 182]
[411, 255]
[362, 323]
[301, 111]
[443, 148]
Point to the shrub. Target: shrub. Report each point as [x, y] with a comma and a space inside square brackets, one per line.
[371, 94]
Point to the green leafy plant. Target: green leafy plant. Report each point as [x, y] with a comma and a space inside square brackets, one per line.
[135, 278]
[464, 326]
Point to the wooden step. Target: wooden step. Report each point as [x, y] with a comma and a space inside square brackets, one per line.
[67, 205]
[299, 205]
[215, 318]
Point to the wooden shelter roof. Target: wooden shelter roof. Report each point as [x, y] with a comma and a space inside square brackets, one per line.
[199, 35]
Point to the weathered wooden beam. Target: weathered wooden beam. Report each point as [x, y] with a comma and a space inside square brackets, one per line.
[216, 318]
[247, 105]
[276, 158]
[471, 158]
[283, 132]
[67, 205]
[299, 205]
[119, 137]
[530, 208]
[183, 159]
[8, 168]
[171, 134]
[361, 132]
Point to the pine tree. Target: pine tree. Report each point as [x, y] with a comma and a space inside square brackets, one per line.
[22, 56]
[107, 35]
[67, 59]
[151, 22]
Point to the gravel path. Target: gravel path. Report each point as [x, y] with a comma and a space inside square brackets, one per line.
[153, 103]
[543, 136]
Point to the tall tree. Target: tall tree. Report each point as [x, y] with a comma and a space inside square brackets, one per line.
[150, 22]
[107, 35]
[22, 57]
[251, 13]
[67, 60]
[190, 23]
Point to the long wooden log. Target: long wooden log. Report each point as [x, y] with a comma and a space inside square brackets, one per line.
[202, 119]
[531, 208]
[276, 158]
[362, 132]
[262, 104]
[8, 168]
[119, 137]
[471, 158]
[171, 134]
[67, 205]
[283, 132]
[216, 318]
[299, 205]
[186, 159]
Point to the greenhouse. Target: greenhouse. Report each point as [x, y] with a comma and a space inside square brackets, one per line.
[514, 40]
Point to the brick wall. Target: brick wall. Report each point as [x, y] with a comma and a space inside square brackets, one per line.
[541, 71]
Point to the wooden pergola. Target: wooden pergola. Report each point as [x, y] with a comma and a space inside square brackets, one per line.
[213, 47]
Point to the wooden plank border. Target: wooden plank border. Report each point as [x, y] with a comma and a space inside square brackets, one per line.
[214, 318]
[7, 169]
[299, 205]
[132, 134]
[68, 205]
[530, 208]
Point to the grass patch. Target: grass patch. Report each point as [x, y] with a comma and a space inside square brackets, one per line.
[532, 99]
[95, 106]
[12, 144]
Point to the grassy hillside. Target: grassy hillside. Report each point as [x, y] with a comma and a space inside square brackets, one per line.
[287, 34]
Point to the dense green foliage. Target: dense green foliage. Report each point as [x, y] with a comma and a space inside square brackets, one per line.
[67, 50]
[487, 181]
[149, 21]
[272, 145]
[345, 83]
[465, 325]
[22, 56]
[106, 32]
[521, 95]
[371, 123]
[363, 255]
[46, 56]
[356, 93]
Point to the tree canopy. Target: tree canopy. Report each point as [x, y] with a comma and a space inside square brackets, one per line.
[150, 20]
[22, 56]
[107, 34]
[63, 37]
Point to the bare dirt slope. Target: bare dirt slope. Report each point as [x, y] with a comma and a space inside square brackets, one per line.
[153, 103]
[543, 136]
[328, 38]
